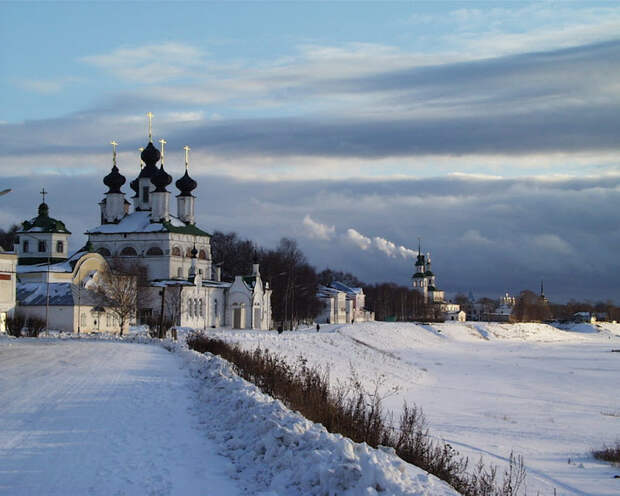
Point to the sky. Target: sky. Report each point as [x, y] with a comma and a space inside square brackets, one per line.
[488, 129]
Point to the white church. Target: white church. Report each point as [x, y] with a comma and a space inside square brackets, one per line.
[424, 281]
[183, 283]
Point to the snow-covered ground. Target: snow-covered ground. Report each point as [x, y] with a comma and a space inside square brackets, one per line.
[107, 417]
[550, 395]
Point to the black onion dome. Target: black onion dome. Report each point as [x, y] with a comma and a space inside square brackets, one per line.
[161, 179]
[194, 252]
[186, 185]
[114, 180]
[150, 156]
[134, 185]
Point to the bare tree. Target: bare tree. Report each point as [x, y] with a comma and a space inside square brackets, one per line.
[118, 289]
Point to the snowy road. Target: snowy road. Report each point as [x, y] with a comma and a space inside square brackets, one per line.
[96, 417]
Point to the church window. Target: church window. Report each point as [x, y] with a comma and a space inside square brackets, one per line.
[41, 246]
[154, 251]
[200, 309]
[145, 194]
[60, 247]
[104, 252]
[188, 252]
[202, 255]
[26, 246]
[128, 251]
[176, 251]
[180, 272]
[215, 308]
[190, 307]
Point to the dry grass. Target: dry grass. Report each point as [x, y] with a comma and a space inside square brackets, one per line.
[357, 414]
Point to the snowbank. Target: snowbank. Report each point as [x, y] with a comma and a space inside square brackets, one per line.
[284, 453]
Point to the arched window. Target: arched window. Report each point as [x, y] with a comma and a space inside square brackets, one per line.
[191, 307]
[154, 251]
[202, 255]
[104, 252]
[188, 252]
[176, 251]
[180, 272]
[128, 251]
[200, 309]
[215, 308]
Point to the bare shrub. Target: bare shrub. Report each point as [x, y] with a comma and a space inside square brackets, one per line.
[358, 414]
[15, 324]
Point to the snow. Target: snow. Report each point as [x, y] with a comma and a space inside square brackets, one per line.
[135, 222]
[549, 394]
[103, 416]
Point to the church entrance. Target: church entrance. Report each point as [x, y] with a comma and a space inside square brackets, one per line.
[237, 318]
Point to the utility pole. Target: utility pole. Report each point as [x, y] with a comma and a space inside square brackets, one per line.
[161, 313]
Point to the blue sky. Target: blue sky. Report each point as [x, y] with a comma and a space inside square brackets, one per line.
[490, 129]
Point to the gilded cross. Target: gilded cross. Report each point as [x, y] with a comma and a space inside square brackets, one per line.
[114, 145]
[43, 193]
[163, 143]
[187, 149]
[150, 116]
[141, 161]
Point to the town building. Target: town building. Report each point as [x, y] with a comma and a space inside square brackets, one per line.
[169, 256]
[8, 265]
[56, 289]
[343, 305]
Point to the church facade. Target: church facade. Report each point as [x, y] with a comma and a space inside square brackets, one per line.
[182, 283]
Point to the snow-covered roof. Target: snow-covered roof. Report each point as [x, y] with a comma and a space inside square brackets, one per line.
[347, 289]
[140, 222]
[64, 266]
[60, 293]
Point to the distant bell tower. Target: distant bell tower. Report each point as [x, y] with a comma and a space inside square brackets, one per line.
[419, 277]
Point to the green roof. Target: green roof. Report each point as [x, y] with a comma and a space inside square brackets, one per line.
[43, 223]
[428, 273]
[187, 229]
[418, 275]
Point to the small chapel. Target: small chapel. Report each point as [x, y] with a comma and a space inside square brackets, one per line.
[182, 281]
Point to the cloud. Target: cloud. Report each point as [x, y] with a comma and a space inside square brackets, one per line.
[529, 220]
[380, 244]
[318, 230]
[553, 244]
[473, 236]
[358, 239]
[150, 64]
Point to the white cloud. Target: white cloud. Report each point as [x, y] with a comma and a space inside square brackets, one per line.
[381, 245]
[552, 243]
[46, 86]
[385, 246]
[474, 236]
[152, 63]
[318, 230]
[358, 239]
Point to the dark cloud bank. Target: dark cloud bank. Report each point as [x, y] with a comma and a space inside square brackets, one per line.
[556, 101]
[486, 235]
